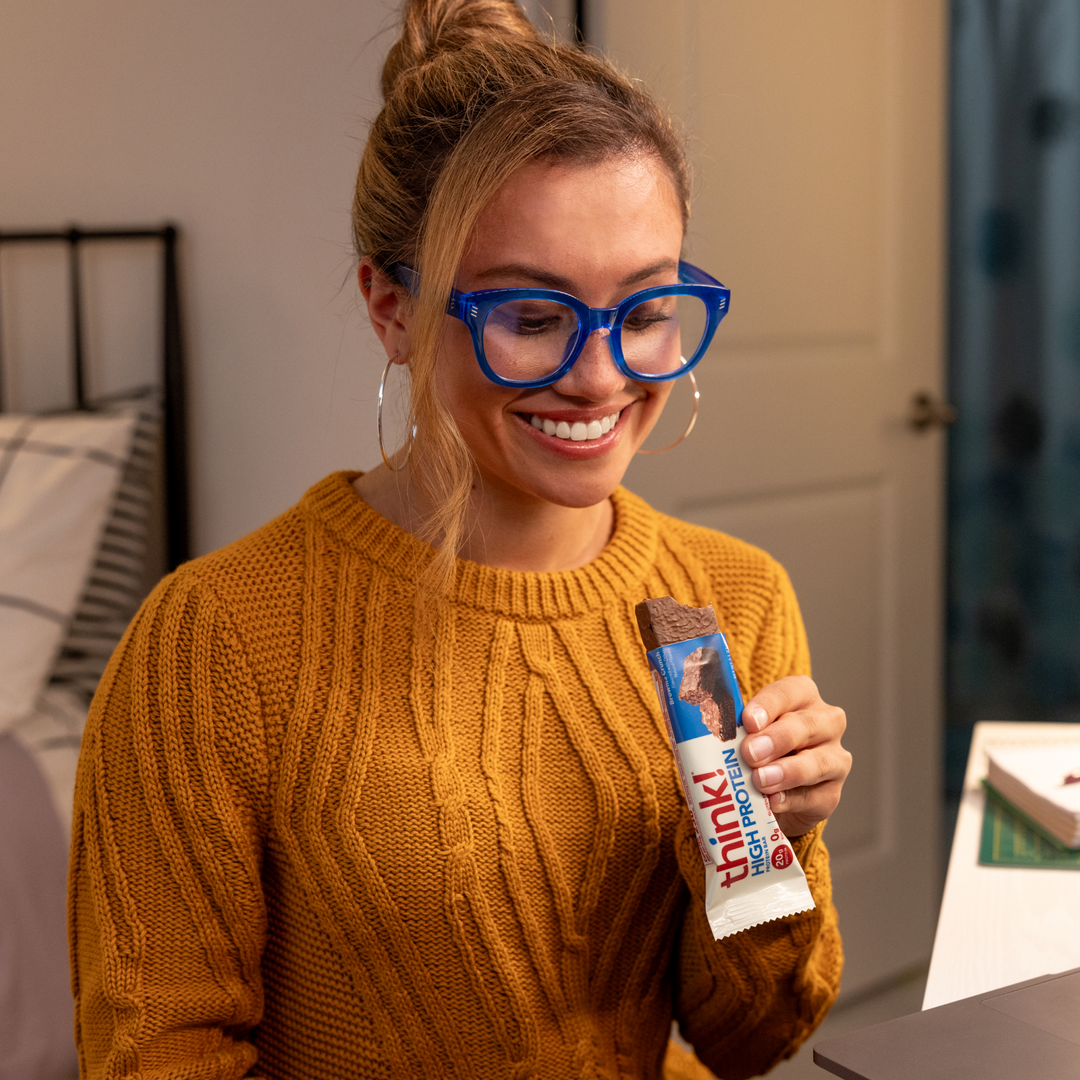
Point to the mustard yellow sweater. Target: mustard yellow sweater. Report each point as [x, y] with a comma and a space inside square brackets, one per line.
[301, 851]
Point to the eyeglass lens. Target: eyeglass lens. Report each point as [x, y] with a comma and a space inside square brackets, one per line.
[529, 339]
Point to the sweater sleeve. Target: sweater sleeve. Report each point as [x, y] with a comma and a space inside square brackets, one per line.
[750, 1000]
[166, 913]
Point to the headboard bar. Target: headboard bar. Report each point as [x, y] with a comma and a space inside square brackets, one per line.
[75, 286]
[175, 409]
[178, 526]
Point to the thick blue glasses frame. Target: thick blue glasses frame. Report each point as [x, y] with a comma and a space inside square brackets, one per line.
[473, 308]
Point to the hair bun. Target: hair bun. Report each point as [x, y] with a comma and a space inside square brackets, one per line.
[434, 26]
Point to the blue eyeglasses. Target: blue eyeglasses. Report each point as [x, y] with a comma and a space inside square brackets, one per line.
[525, 338]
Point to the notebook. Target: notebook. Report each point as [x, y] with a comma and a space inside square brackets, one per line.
[1030, 1029]
[1043, 782]
[1010, 838]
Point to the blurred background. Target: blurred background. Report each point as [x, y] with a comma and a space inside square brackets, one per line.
[889, 188]
[1014, 367]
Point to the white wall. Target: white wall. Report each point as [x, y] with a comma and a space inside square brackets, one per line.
[242, 120]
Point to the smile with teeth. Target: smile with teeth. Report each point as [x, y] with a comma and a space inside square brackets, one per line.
[578, 431]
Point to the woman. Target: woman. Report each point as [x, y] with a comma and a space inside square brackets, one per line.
[382, 790]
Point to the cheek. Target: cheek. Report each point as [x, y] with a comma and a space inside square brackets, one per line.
[658, 397]
[656, 429]
[474, 402]
[458, 375]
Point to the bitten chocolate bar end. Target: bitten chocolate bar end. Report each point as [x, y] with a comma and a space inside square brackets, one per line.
[664, 621]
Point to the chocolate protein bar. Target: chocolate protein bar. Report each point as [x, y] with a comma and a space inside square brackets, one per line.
[751, 873]
[665, 621]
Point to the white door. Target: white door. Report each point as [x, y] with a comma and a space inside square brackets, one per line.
[817, 139]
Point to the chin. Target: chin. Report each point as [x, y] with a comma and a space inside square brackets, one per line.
[576, 485]
[579, 493]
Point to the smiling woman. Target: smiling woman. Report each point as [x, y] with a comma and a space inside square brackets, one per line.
[598, 232]
[382, 789]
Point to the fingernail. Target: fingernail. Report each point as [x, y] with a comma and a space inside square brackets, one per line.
[759, 714]
[760, 748]
[770, 774]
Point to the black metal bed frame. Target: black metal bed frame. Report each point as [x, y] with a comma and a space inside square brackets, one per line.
[174, 451]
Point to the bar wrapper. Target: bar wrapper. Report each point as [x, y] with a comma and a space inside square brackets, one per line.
[751, 873]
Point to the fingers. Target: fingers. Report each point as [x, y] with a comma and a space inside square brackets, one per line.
[793, 749]
[799, 810]
[795, 717]
[783, 696]
[809, 768]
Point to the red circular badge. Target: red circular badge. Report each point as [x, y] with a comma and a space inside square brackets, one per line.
[782, 856]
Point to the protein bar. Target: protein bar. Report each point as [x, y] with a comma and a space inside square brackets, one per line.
[751, 873]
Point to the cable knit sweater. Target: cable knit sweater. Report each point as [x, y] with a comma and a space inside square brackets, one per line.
[306, 846]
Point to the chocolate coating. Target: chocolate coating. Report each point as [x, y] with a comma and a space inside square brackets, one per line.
[664, 621]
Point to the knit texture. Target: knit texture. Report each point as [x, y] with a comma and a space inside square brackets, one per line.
[309, 845]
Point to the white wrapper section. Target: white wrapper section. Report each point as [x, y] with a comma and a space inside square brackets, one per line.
[751, 873]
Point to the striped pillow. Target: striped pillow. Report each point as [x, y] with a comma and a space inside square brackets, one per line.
[127, 562]
[58, 479]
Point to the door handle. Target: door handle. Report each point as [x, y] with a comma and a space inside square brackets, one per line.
[929, 412]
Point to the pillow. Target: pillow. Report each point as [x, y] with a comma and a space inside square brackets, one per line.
[128, 561]
[58, 476]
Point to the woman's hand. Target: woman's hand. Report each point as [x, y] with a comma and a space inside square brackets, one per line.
[793, 747]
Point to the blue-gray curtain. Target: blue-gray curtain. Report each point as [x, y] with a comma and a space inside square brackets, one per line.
[1014, 454]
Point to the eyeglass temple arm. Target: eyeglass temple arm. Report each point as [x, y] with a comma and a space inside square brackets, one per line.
[408, 277]
[693, 275]
[411, 280]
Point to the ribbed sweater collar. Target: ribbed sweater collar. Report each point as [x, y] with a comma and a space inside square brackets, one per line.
[617, 573]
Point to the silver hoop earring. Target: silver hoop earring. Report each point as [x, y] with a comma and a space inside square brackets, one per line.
[689, 427]
[382, 446]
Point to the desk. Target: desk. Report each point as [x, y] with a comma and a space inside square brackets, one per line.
[999, 924]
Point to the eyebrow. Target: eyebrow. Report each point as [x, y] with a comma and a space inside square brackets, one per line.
[549, 280]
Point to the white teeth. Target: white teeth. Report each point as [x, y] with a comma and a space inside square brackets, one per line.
[578, 431]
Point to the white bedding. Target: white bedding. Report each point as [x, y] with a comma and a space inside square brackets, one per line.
[58, 476]
[72, 547]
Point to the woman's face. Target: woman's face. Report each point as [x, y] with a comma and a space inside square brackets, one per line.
[599, 232]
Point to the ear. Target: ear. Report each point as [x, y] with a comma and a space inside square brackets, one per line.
[387, 306]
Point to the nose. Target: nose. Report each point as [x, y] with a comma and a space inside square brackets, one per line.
[594, 375]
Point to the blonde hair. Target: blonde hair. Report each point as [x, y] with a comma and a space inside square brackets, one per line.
[473, 93]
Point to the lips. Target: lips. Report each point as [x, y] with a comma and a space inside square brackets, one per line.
[578, 431]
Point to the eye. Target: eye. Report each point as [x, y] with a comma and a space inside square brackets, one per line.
[650, 314]
[639, 323]
[531, 318]
[535, 324]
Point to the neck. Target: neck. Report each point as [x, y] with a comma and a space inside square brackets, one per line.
[506, 529]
